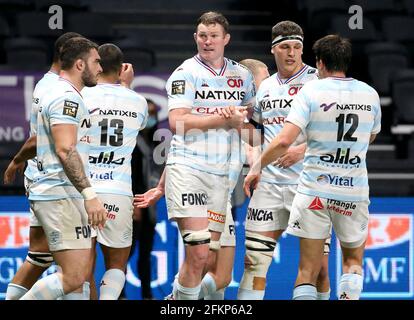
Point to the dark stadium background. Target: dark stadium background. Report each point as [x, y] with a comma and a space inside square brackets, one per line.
[157, 35]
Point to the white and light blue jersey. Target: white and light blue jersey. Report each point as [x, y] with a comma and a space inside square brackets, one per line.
[197, 86]
[117, 115]
[62, 104]
[273, 102]
[42, 87]
[339, 115]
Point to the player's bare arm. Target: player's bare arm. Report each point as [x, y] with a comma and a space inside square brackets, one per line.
[65, 136]
[26, 152]
[293, 155]
[182, 120]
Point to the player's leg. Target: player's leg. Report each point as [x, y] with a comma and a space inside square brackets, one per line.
[220, 273]
[187, 191]
[266, 220]
[113, 279]
[311, 223]
[68, 234]
[322, 283]
[352, 231]
[115, 240]
[37, 261]
[196, 238]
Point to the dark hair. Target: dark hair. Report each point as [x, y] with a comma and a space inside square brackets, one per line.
[111, 58]
[334, 51]
[74, 49]
[213, 17]
[60, 41]
[286, 28]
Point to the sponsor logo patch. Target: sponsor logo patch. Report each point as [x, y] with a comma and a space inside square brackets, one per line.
[216, 217]
[316, 204]
[70, 108]
[178, 87]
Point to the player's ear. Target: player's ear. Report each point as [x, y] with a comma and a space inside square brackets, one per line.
[226, 39]
[80, 64]
[195, 36]
[272, 51]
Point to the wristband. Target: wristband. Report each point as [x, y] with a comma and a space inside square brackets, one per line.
[88, 193]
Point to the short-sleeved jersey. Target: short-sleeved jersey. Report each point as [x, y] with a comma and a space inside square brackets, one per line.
[42, 87]
[196, 86]
[117, 115]
[273, 102]
[338, 115]
[63, 104]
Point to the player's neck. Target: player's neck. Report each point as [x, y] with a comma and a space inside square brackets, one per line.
[334, 74]
[109, 79]
[285, 74]
[55, 68]
[76, 81]
[215, 64]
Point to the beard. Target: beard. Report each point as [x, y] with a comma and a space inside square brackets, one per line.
[89, 80]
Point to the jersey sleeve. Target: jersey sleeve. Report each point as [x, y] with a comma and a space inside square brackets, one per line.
[250, 94]
[143, 113]
[68, 109]
[257, 110]
[377, 118]
[180, 90]
[300, 112]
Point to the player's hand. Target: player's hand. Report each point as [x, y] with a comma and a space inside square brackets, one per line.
[227, 112]
[238, 117]
[250, 182]
[293, 155]
[127, 75]
[10, 173]
[148, 199]
[96, 213]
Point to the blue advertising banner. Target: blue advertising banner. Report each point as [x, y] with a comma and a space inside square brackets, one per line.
[388, 261]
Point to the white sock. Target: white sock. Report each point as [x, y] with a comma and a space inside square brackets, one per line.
[208, 286]
[246, 294]
[111, 285]
[15, 292]
[47, 288]
[323, 295]
[218, 295]
[304, 292]
[350, 286]
[86, 290]
[184, 293]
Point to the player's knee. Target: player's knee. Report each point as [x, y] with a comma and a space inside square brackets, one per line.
[308, 274]
[196, 238]
[73, 280]
[40, 259]
[259, 252]
[198, 257]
